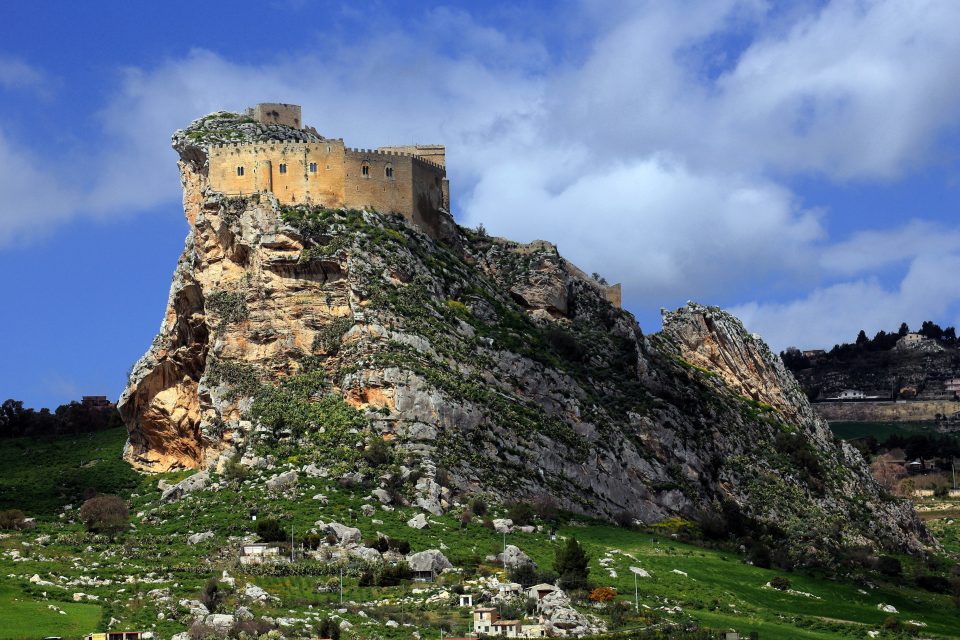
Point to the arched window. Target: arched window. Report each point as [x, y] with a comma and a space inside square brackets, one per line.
[239, 171]
[365, 170]
[283, 168]
[388, 171]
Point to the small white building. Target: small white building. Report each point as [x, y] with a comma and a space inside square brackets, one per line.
[508, 590]
[260, 552]
[851, 394]
[466, 599]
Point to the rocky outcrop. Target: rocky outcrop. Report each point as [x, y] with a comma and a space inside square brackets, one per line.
[499, 363]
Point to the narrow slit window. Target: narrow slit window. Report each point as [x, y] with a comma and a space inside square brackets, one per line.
[389, 171]
[283, 168]
[239, 171]
[365, 170]
[313, 167]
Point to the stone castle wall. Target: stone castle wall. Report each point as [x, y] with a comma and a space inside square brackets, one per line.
[327, 173]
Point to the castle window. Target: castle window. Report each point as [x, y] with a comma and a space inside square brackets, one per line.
[365, 170]
[389, 171]
[313, 167]
[283, 168]
[239, 171]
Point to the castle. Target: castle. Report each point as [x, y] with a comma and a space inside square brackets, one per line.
[409, 180]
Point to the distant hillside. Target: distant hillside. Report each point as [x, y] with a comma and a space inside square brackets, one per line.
[902, 364]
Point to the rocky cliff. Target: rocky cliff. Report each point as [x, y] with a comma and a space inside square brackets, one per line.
[315, 336]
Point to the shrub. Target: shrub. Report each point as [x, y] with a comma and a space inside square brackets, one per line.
[478, 506]
[932, 583]
[385, 575]
[623, 519]
[269, 530]
[379, 543]
[200, 631]
[780, 583]
[759, 555]
[618, 613]
[521, 513]
[399, 545]
[12, 519]
[211, 596]
[466, 518]
[892, 624]
[889, 566]
[252, 628]
[545, 506]
[603, 594]
[328, 628]
[105, 514]
[377, 453]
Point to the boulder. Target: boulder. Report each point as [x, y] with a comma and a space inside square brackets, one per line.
[513, 557]
[366, 554]
[344, 534]
[219, 621]
[368, 510]
[313, 471]
[256, 594]
[561, 619]
[431, 560]
[503, 525]
[197, 538]
[188, 485]
[382, 495]
[418, 521]
[283, 481]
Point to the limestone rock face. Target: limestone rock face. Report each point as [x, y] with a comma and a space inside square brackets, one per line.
[500, 363]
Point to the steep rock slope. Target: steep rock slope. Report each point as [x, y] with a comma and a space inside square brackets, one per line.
[489, 366]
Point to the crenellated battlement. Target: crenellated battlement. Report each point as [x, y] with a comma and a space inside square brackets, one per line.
[410, 180]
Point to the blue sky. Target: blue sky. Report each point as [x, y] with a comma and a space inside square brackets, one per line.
[793, 162]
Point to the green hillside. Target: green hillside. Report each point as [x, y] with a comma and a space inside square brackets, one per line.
[688, 583]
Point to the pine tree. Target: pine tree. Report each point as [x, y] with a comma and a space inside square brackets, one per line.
[572, 564]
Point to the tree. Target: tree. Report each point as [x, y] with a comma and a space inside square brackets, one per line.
[572, 564]
[904, 330]
[270, 530]
[862, 338]
[105, 514]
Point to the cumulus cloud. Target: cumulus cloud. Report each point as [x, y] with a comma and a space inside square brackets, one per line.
[656, 153]
[834, 314]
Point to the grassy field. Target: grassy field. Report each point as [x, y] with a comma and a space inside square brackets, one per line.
[687, 582]
[24, 617]
[42, 475]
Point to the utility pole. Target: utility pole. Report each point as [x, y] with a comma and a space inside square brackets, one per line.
[505, 556]
[291, 543]
[636, 593]
[341, 584]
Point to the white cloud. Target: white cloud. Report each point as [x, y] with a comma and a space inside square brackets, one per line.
[16, 74]
[647, 156]
[834, 314]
